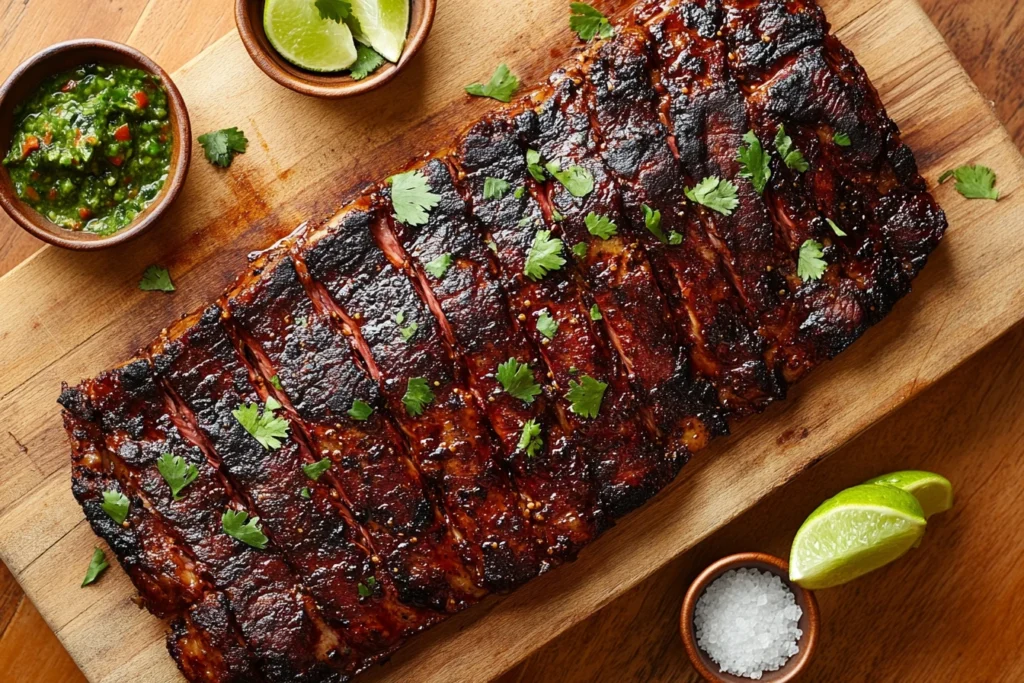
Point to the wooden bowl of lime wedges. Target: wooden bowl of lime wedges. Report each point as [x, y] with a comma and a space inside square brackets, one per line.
[333, 48]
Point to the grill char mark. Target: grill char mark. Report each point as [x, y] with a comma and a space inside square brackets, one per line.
[317, 536]
[723, 343]
[449, 440]
[279, 624]
[320, 381]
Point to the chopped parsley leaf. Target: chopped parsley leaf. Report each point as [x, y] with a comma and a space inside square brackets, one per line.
[360, 410]
[716, 194]
[595, 313]
[235, 525]
[517, 379]
[439, 266]
[96, 566]
[495, 188]
[221, 146]
[791, 156]
[265, 427]
[588, 22]
[501, 87]
[545, 255]
[576, 179]
[176, 472]
[585, 396]
[411, 198]
[156, 279]
[530, 440]
[115, 504]
[841, 139]
[316, 469]
[600, 226]
[754, 162]
[417, 396]
[547, 325]
[811, 265]
[973, 182]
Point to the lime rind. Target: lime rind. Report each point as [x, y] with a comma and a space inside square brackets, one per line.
[933, 491]
[300, 35]
[383, 24]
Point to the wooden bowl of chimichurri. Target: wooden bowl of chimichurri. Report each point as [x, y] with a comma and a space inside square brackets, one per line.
[95, 143]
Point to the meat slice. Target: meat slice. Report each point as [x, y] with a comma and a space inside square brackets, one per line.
[424, 389]
[476, 320]
[303, 517]
[312, 371]
[626, 465]
[130, 426]
[208, 647]
[723, 341]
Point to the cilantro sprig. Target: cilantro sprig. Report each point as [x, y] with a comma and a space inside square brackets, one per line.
[367, 61]
[333, 10]
[530, 441]
[585, 396]
[156, 279]
[588, 22]
[495, 188]
[547, 325]
[249, 532]
[501, 87]
[222, 145]
[973, 182]
[791, 156]
[97, 564]
[517, 380]
[417, 396]
[600, 226]
[411, 198]
[576, 179]
[545, 255]
[265, 427]
[716, 194]
[439, 266]
[810, 264]
[115, 504]
[754, 162]
[176, 472]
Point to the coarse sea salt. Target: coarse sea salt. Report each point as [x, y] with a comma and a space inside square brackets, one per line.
[746, 621]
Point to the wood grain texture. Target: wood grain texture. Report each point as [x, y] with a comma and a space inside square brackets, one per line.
[54, 339]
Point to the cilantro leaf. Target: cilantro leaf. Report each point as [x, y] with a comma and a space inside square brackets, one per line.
[517, 379]
[409, 330]
[360, 410]
[305, 493]
[595, 313]
[115, 504]
[675, 238]
[576, 179]
[96, 566]
[520, 192]
[316, 469]
[417, 396]
[754, 162]
[411, 198]
[367, 61]
[275, 382]
[495, 188]
[652, 221]
[716, 194]
[333, 10]
[811, 265]
[249, 532]
[221, 146]
[530, 440]
[600, 226]
[492, 246]
[579, 250]
[586, 396]
[534, 167]
[835, 228]
[791, 156]
[156, 279]
[841, 139]
[501, 87]
[547, 325]
[439, 266]
[366, 589]
[974, 182]
[176, 472]
[545, 255]
[264, 427]
[587, 22]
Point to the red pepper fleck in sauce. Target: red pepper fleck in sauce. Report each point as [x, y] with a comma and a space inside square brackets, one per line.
[141, 98]
[84, 213]
[31, 193]
[122, 134]
[30, 145]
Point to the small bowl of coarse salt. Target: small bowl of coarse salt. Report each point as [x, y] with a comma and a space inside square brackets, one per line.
[743, 619]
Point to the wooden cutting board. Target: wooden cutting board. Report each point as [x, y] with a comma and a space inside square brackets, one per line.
[67, 316]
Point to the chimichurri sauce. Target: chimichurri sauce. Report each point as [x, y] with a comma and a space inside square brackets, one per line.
[92, 147]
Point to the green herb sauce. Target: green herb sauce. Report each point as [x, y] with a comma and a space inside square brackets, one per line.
[92, 147]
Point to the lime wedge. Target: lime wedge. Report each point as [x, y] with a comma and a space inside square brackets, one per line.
[383, 24]
[854, 532]
[297, 31]
[933, 491]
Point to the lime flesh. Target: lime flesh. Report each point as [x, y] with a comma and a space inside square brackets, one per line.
[933, 491]
[383, 24]
[856, 531]
[299, 34]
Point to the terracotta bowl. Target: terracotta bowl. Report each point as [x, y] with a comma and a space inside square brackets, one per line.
[249, 20]
[809, 622]
[21, 85]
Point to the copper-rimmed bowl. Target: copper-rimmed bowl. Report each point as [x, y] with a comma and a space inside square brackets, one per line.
[809, 621]
[249, 20]
[66, 56]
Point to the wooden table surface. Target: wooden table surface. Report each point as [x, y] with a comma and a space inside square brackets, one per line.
[952, 611]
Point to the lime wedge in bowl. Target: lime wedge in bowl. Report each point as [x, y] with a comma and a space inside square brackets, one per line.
[854, 532]
[384, 24]
[933, 491]
[300, 35]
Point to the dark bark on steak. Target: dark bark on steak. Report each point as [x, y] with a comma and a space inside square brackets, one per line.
[317, 535]
[449, 439]
[475, 317]
[623, 462]
[207, 645]
[320, 381]
[724, 344]
[132, 427]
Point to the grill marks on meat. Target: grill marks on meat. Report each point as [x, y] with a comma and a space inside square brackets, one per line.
[448, 435]
[320, 382]
[724, 346]
[426, 508]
